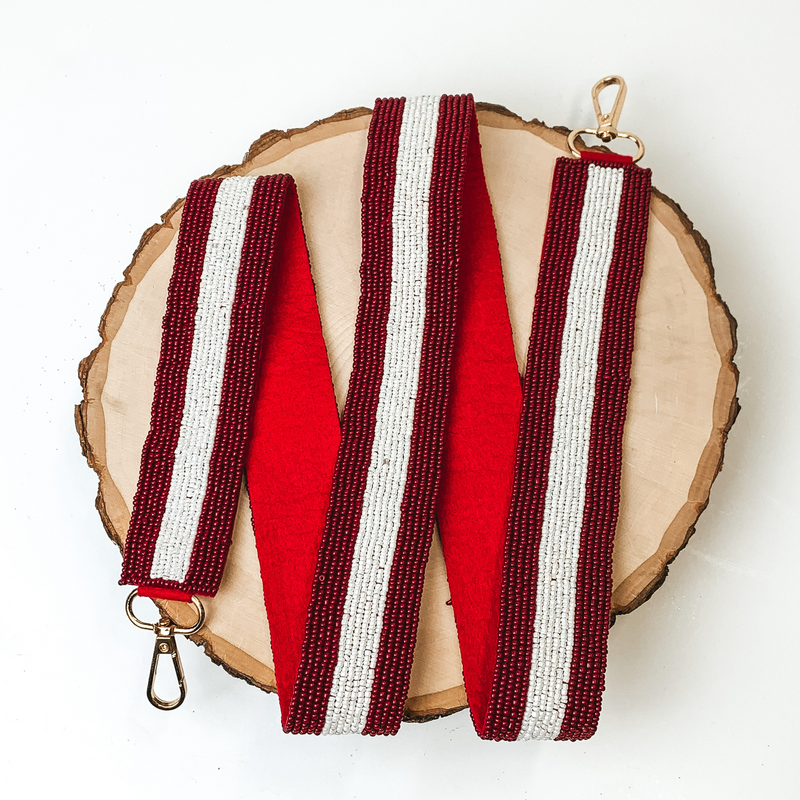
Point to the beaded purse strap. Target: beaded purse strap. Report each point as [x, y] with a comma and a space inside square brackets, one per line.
[359, 597]
[188, 491]
[531, 588]
[523, 477]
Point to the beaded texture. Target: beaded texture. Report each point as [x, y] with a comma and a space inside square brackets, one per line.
[522, 475]
[188, 490]
[536, 670]
[360, 631]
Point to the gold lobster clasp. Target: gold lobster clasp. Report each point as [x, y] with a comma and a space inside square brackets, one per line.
[607, 123]
[165, 647]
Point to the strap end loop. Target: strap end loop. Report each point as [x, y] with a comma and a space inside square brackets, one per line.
[165, 646]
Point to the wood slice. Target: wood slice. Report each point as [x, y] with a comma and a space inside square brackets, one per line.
[682, 401]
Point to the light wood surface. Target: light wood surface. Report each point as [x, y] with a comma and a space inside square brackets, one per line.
[682, 401]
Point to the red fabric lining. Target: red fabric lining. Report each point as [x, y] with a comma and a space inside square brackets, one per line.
[480, 439]
[162, 593]
[291, 455]
[606, 158]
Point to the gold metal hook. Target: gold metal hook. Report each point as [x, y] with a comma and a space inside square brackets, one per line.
[606, 129]
[607, 123]
[165, 647]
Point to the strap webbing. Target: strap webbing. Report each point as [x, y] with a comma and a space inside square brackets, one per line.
[233, 231]
[524, 477]
[546, 648]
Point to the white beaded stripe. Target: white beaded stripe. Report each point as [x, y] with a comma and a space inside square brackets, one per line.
[362, 619]
[204, 378]
[566, 488]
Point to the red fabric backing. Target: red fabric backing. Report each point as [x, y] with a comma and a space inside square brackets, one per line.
[606, 158]
[292, 449]
[160, 593]
[480, 442]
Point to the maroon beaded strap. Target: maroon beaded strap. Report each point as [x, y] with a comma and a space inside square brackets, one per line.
[524, 478]
[568, 372]
[193, 456]
[601, 506]
[356, 660]
[528, 508]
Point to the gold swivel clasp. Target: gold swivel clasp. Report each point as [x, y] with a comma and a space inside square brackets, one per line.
[165, 647]
[607, 123]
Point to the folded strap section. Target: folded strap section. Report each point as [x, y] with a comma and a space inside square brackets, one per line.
[423, 193]
[536, 670]
[191, 468]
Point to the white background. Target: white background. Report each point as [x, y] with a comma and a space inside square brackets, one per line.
[109, 110]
